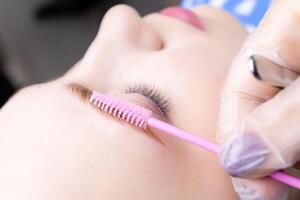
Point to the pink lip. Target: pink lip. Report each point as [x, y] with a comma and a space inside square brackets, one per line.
[183, 15]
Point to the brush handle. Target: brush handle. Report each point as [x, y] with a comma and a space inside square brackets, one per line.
[191, 138]
[183, 135]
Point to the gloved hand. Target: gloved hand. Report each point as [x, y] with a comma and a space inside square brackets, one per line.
[259, 125]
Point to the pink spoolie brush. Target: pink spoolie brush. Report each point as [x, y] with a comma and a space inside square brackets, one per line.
[141, 118]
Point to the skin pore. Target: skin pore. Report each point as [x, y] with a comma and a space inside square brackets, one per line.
[55, 145]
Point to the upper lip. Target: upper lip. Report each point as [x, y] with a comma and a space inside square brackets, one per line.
[183, 15]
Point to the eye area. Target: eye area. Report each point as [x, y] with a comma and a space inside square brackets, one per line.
[153, 94]
[84, 94]
[150, 93]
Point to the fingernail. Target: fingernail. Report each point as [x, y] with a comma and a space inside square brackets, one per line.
[270, 72]
[242, 154]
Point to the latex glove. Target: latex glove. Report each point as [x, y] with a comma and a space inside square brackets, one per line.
[259, 125]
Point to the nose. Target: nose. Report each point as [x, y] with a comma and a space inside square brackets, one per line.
[123, 25]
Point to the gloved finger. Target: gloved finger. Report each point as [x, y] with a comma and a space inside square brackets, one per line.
[278, 34]
[277, 38]
[260, 189]
[269, 137]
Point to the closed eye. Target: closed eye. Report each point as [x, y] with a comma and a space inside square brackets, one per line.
[153, 94]
[84, 95]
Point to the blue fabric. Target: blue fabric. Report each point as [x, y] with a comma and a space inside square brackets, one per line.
[248, 12]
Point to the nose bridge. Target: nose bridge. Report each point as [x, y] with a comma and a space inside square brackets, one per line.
[123, 37]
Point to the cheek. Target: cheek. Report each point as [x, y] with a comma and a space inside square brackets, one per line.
[126, 161]
[107, 158]
[81, 153]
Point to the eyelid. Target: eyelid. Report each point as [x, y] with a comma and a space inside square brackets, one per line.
[149, 92]
[153, 94]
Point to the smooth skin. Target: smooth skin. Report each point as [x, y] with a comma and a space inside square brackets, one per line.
[55, 146]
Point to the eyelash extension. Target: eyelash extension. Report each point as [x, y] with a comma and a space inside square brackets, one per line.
[153, 94]
[149, 92]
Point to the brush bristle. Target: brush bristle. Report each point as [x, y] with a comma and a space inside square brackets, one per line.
[121, 109]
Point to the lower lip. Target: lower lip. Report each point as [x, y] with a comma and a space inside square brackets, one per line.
[183, 15]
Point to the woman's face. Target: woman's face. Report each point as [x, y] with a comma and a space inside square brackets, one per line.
[54, 145]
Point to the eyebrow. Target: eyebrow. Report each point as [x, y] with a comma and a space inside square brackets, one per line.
[80, 91]
[84, 95]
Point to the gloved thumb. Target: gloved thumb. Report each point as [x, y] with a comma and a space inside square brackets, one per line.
[268, 138]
